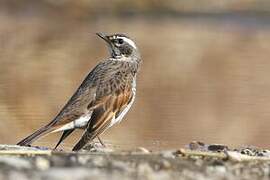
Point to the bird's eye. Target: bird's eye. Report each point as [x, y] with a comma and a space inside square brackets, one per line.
[120, 41]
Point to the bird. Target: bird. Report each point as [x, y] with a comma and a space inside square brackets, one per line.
[103, 98]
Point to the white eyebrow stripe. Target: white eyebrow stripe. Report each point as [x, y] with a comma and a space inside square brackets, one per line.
[129, 41]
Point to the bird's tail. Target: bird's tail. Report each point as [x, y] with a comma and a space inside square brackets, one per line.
[37, 134]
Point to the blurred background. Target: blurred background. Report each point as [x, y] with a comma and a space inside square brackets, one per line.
[205, 73]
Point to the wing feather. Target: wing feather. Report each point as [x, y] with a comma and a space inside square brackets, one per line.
[103, 97]
[85, 98]
[104, 116]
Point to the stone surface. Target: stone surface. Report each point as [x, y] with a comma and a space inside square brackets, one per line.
[118, 164]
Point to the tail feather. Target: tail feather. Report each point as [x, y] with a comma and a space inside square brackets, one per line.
[37, 134]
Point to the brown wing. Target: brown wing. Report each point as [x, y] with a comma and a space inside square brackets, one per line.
[103, 115]
[108, 79]
[79, 103]
[111, 108]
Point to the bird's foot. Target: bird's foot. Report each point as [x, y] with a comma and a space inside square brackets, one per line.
[101, 142]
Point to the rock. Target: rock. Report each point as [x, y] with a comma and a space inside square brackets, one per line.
[127, 165]
[42, 163]
[15, 162]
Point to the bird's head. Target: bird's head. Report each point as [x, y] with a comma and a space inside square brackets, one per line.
[120, 45]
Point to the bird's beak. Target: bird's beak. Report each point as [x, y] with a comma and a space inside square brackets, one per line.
[104, 37]
[108, 41]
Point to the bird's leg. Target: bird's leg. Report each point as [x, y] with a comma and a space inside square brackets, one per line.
[65, 134]
[101, 142]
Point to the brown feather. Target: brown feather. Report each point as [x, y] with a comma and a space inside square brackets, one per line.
[110, 105]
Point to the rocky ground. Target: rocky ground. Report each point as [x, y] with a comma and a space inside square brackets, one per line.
[197, 161]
